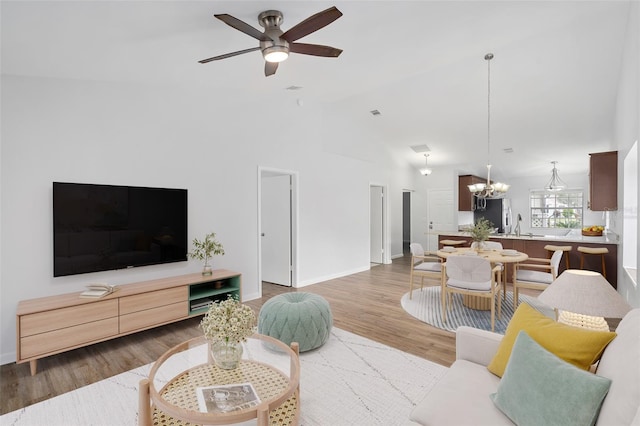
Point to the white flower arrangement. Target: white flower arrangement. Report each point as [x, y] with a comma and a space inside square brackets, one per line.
[228, 321]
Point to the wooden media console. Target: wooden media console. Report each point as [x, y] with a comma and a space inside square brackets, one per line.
[52, 325]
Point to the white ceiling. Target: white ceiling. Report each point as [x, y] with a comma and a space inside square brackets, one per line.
[420, 63]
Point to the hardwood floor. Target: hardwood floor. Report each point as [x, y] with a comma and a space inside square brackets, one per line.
[367, 303]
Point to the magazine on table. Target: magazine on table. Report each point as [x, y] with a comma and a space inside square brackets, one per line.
[227, 398]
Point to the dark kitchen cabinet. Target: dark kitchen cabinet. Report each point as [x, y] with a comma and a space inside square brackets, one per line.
[603, 181]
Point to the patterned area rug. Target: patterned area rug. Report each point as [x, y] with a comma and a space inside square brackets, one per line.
[350, 380]
[426, 306]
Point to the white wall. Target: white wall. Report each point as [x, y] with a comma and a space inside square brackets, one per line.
[97, 132]
[627, 132]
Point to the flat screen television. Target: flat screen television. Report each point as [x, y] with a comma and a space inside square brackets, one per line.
[106, 227]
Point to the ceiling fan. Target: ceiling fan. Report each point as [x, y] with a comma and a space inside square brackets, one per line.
[276, 44]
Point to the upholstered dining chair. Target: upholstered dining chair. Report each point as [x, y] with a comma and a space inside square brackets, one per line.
[488, 245]
[423, 264]
[495, 245]
[536, 274]
[472, 276]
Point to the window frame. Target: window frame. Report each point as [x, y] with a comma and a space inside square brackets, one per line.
[566, 214]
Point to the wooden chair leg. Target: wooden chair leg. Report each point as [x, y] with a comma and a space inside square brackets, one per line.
[411, 284]
[504, 283]
[604, 268]
[493, 315]
[581, 260]
[444, 305]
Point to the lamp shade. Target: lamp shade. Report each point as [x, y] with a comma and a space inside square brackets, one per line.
[585, 292]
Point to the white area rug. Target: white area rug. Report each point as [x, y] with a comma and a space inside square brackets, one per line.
[350, 380]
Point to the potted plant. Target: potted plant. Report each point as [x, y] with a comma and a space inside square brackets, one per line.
[481, 231]
[226, 324]
[205, 250]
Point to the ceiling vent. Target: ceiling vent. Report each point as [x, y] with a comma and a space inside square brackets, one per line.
[293, 88]
[420, 148]
[508, 150]
[375, 112]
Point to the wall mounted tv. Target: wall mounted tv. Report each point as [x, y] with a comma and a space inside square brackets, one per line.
[106, 227]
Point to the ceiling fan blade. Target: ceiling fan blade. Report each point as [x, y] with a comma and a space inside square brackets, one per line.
[242, 26]
[228, 55]
[270, 68]
[311, 24]
[315, 50]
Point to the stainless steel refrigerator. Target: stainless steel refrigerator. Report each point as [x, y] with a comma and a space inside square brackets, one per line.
[496, 211]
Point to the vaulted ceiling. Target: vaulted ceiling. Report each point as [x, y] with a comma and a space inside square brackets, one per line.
[554, 78]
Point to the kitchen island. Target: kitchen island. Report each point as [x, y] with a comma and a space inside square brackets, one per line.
[533, 245]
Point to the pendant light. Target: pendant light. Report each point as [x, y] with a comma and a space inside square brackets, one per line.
[426, 171]
[488, 189]
[555, 184]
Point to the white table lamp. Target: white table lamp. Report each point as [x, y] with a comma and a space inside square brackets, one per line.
[584, 299]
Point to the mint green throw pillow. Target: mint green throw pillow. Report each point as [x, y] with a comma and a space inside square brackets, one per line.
[538, 388]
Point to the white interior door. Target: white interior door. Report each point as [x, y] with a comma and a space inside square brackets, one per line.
[377, 248]
[276, 229]
[419, 219]
[440, 214]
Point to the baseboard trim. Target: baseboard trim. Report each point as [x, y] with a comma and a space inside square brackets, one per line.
[317, 280]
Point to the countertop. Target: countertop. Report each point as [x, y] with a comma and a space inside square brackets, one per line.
[572, 237]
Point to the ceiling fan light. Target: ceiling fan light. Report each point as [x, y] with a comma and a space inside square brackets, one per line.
[275, 53]
[426, 172]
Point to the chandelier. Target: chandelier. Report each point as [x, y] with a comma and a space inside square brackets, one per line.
[555, 184]
[426, 171]
[496, 189]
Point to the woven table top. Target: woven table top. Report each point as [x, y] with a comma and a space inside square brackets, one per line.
[268, 383]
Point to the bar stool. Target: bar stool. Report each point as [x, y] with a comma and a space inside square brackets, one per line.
[453, 243]
[593, 250]
[551, 249]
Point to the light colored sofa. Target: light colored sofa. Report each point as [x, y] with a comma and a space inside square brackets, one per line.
[462, 395]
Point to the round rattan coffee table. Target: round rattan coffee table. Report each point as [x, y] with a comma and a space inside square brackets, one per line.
[184, 386]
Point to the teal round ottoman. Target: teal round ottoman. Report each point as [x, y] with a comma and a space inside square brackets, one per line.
[297, 317]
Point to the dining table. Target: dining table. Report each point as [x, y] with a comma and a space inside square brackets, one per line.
[494, 257]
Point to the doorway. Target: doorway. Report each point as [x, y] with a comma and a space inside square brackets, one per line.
[377, 228]
[406, 221]
[277, 246]
[440, 214]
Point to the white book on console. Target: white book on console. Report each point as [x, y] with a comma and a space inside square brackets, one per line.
[95, 291]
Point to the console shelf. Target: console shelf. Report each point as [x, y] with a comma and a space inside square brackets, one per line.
[52, 325]
[212, 291]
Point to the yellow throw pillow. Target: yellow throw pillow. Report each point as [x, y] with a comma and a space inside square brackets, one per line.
[577, 346]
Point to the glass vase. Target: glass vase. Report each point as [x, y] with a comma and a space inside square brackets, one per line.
[206, 269]
[226, 355]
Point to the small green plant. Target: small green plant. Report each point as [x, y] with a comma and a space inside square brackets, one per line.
[481, 230]
[206, 249]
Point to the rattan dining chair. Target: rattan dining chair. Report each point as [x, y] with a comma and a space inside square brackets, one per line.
[424, 264]
[472, 276]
